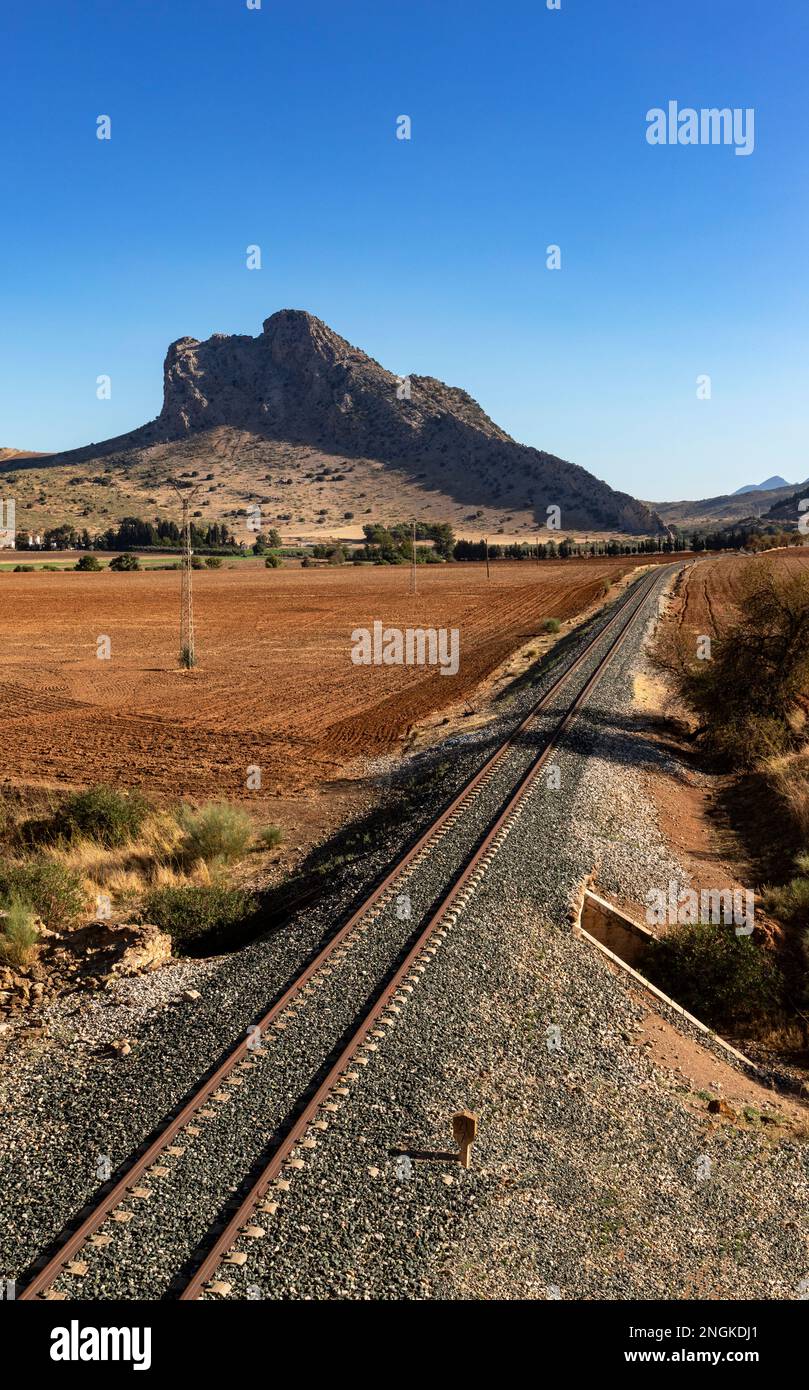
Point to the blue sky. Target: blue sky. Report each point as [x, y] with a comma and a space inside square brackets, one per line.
[232, 127]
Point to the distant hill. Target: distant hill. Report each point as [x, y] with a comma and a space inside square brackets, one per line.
[769, 484]
[320, 435]
[724, 510]
[6, 455]
[786, 509]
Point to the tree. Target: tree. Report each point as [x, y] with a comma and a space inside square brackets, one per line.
[127, 561]
[88, 562]
[61, 537]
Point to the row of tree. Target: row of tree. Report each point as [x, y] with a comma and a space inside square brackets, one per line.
[567, 547]
[133, 533]
[393, 545]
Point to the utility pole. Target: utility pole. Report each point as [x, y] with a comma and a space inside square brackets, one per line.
[487, 557]
[187, 652]
[413, 561]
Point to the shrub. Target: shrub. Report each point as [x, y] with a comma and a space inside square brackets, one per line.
[747, 695]
[552, 625]
[215, 831]
[720, 977]
[54, 892]
[103, 814]
[127, 561]
[24, 569]
[214, 562]
[271, 836]
[88, 562]
[273, 561]
[18, 934]
[190, 915]
[790, 901]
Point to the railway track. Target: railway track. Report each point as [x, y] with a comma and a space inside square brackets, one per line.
[194, 1197]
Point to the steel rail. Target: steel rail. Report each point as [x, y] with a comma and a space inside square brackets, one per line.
[225, 1241]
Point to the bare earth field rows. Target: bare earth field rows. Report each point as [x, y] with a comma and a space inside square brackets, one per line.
[275, 685]
[711, 590]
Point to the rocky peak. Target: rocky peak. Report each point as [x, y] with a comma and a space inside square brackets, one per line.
[299, 383]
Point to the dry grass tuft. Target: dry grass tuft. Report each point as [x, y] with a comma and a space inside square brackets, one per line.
[127, 872]
[788, 777]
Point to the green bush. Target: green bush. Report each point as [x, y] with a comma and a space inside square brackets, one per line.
[191, 916]
[214, 562]
[54, 892]
[722, 978]
[24, 569]
[216, 831]
[273, 561]
[18, 934]
[127, 561]
[103, 814]
[552, 625]
[790, 901]
[88, 562]
[271, 836]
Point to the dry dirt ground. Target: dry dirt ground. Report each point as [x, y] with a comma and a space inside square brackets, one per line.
[711, 589]
[275, 686]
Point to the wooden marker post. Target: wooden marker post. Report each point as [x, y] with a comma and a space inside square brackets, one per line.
[464, 1132]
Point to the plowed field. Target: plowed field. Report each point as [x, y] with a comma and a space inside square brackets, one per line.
[710, 592]
[275, 685]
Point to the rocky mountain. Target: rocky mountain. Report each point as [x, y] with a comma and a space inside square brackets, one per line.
[300, 401]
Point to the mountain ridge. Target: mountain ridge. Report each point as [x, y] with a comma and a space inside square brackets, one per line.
[769, 485]
[299, 389]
